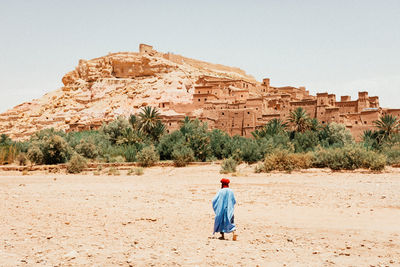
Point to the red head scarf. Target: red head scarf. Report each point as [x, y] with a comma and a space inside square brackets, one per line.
[225, 182]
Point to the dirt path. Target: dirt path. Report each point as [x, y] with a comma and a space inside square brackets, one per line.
[165, 218]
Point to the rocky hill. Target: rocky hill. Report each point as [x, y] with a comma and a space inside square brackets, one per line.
[101, 89]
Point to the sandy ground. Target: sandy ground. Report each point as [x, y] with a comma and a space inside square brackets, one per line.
[164, 217]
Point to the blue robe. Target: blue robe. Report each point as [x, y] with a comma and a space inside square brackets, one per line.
[223, 205]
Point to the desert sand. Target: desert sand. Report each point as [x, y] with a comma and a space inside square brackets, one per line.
[164, 217]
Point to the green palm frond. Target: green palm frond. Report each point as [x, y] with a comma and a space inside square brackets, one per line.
[148, 118]
[299, 120]
[388, 125]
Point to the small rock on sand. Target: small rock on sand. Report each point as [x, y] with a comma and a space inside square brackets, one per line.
[71, 255]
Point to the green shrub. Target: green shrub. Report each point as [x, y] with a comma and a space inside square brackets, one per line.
[22, 159]
[76, 164]
[35, 154]
[55, 150]
[219, 143]
[130, 153]
[285, 161]
[349, 157]
[269, 144]
[5, 140]
[150, 124]
[147, 156]
[113, 171]
[98, 170]
[93, 136]
[47, 133]
[115, 153]
[130, 136]
[115, 129]
[228, 165]
[232, 148]
[376, 162]
[87, 148]
[273, 127]
[302, 160]
[182, 155]
[8, 154]
[117, 159]
[136, 171]
[249, 151]
[133, 120]
[392, 154]
[332, 158]
[23, 146]
[9, 150]
[305, 142]
[139, 171]
[168, 143]
[336, 135]
[242, 149]
[196, 137]
[259, 168]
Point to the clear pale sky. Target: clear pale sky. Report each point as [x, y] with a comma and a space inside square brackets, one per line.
[341, 46]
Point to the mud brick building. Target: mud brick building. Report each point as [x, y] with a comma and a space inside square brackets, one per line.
[239, 107]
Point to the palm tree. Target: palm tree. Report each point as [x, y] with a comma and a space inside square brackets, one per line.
[129, 136]
[148, 119]
[186, 125]
[133, 120]
[158, 131]
[315, 126]
[368, 134]
[299, 120]
[5, 140]
[372, 139]
[186, 120]
[276, 126]
[387, 125]
[273, 127]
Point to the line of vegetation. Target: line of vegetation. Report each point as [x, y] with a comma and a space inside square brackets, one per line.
[299, 143]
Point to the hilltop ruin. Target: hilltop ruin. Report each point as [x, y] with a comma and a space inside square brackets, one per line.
[101, 89]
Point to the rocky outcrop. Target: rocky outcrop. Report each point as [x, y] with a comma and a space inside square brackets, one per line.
[100, 89]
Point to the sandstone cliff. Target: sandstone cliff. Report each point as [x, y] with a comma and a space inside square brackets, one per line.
[103, 88]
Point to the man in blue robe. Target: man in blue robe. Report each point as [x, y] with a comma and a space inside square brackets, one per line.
[223, 205]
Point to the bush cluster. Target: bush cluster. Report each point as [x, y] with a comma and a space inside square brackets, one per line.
[349, 157]
[49, 147]
[278, 145]
[22, 159]
[76, 164]
[87, 148]
[113, 171]
[130, 153]
[148, 156]
[228, 165]
[182, 155]
[284, 160]
[136, 171]
[35, 155]
[392, 154]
